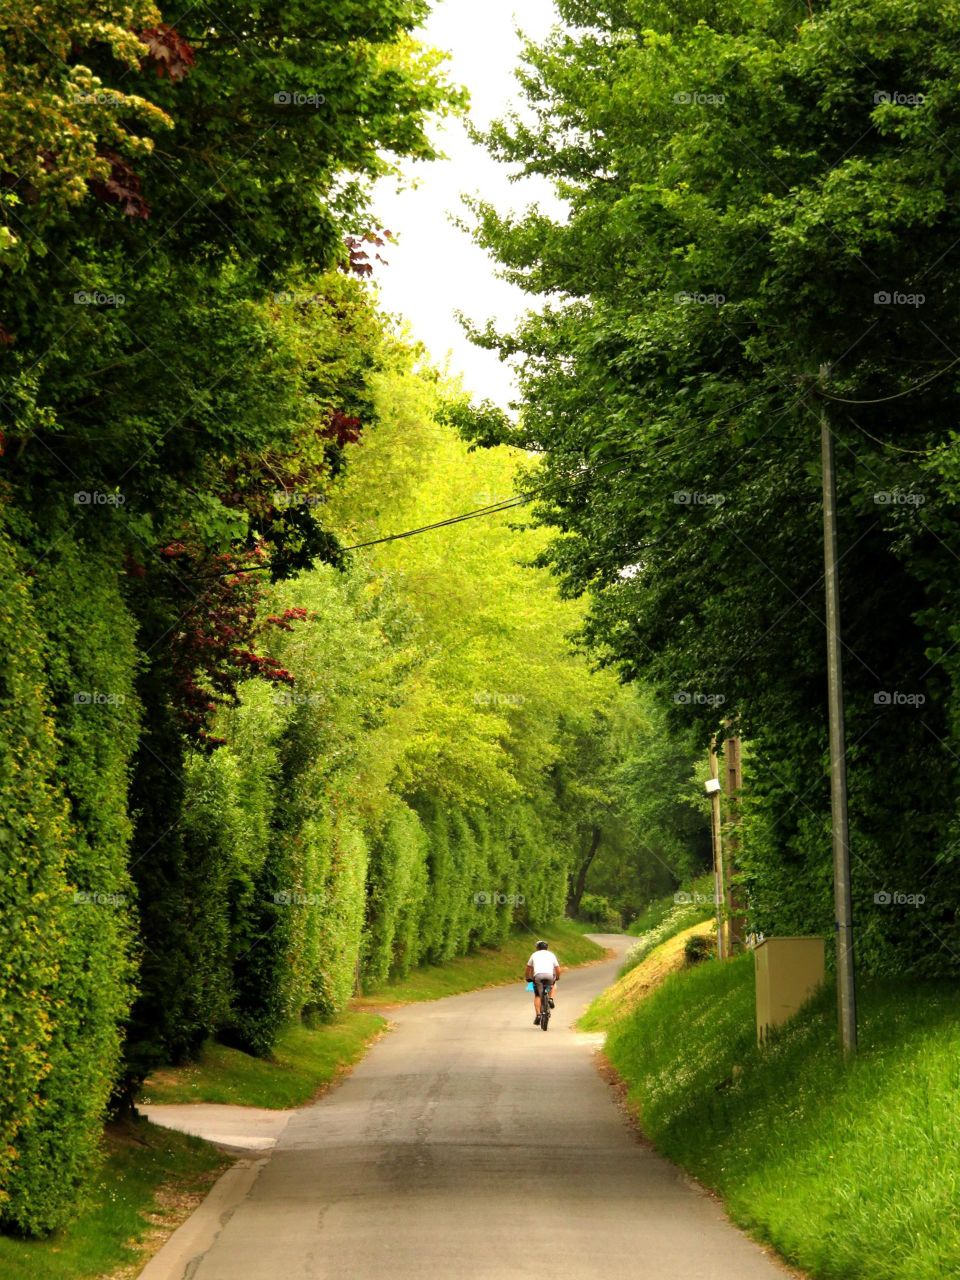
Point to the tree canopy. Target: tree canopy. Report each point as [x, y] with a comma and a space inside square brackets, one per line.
[761, 229]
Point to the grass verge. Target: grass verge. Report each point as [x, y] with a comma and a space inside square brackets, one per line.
[486, 967]
[852, 1173]
[305, 1061]
[636, 982]
[151, 1180]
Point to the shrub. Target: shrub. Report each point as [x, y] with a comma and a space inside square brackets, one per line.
[90, 655]
[698, 948]
[599, 910]
[395, 887]
[33, 884]
[63, 841]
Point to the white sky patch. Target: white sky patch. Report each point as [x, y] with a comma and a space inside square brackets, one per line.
[435, 269]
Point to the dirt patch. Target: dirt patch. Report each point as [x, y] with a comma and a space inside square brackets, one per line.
[175, 1200]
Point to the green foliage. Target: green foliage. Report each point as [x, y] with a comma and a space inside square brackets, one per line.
[625, 786]
[35, 887]
[53, 103]
[698, 948]
[696, 894]
[666, 917]
[856, 1175]
[743, 186]
[599, 910]
[90, 660]
[65, 840]
[396, 893]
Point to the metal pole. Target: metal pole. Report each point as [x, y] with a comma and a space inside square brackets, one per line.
[843, 906]
[718, 876]
[736, 919]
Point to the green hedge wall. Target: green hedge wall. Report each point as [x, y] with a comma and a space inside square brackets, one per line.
[69, 913]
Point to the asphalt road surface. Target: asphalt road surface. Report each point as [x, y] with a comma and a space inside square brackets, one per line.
[470, 1145]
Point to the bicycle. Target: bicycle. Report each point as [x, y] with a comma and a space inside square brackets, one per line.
[545, 987]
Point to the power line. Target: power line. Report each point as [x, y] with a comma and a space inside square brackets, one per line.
[506, 504]
[671, 452]
[886, 444]
[898, 394]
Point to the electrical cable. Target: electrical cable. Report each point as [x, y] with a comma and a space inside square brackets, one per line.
[675, 449]
[897, 395]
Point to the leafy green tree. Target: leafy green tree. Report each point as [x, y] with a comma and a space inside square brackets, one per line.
[755, 192]
[625, 788]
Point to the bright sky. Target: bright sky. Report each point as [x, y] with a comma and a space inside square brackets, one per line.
[435, 269]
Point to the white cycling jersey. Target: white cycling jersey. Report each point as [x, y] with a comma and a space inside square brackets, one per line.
[543, 963]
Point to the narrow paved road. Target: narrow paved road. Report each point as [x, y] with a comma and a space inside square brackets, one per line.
[469, 1145]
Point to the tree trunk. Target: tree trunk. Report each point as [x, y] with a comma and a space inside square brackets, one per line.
[578, 886]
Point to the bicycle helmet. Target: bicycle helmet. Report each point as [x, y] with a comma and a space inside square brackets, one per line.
[541, 945]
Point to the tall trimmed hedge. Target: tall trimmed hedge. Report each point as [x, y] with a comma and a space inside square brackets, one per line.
[64, 834]
[396, 896]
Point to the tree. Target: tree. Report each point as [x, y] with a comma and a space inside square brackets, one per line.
[753, 195]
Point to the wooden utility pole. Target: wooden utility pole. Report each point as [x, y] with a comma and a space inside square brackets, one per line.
[843, 902]
[736, 918]
[719, 883]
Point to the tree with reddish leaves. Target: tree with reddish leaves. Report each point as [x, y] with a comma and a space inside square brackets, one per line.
[358, 259]
[212, 644]
[169, 54]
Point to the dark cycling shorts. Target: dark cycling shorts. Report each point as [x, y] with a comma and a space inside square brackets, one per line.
[542, 986]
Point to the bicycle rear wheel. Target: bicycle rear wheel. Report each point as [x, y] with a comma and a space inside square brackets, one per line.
[544, 1010]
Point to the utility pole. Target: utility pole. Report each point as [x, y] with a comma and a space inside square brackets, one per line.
[719, 886]
[736, 920]
[843, 905]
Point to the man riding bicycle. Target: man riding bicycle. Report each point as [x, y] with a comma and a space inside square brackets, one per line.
[543, 969]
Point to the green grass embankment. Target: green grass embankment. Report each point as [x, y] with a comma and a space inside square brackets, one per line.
[852, 1173]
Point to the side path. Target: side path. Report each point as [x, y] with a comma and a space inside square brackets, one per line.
[468, 1144]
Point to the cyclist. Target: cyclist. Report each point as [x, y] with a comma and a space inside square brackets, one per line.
[543, 969]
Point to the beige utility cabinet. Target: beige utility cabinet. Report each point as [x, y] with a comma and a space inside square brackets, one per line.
[789, 971]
